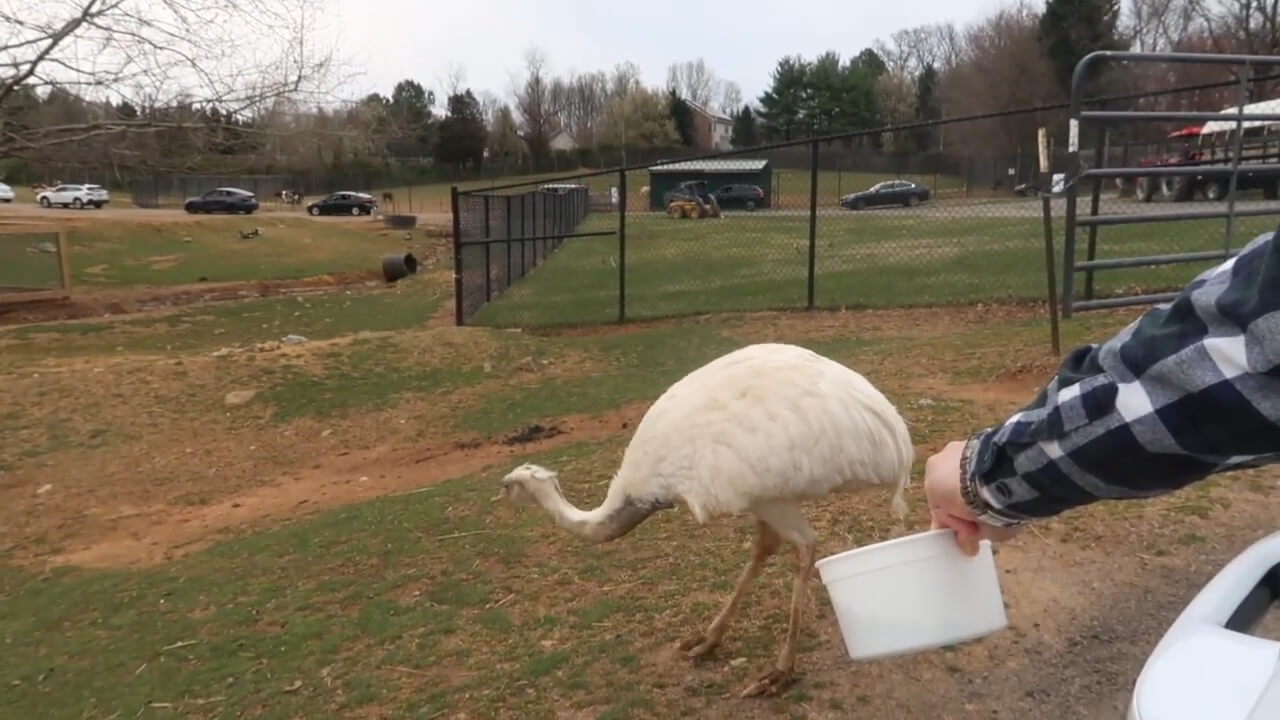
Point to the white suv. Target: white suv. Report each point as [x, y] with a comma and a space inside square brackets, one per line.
[76, 196]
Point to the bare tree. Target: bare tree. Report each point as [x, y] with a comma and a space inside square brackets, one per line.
[730, 98]
[454, 80]
[694, 81]
[239, 57]
[538, 107]
[1001, 66]
[624, 78]
[584, 106]
[1156, 25]
[909, 50]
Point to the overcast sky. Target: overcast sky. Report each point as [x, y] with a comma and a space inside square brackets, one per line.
[740, 40]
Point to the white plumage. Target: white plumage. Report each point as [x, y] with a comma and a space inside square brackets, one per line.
[758, 430]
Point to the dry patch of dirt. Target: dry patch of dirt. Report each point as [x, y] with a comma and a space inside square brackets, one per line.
[124, 301]
[152, 528]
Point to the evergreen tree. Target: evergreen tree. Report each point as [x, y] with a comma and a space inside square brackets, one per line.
[928, 108]
[681, 117]
[462, 135]
[783, 104]
[744, 129]
[1071, 29]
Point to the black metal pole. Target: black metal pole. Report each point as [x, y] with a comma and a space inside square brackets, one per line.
[1051, 274]
[457, 256]
[622, 246]
[507, 246]
[813, 221]
[1091, 249]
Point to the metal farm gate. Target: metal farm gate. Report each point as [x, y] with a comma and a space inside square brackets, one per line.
[1192, 171]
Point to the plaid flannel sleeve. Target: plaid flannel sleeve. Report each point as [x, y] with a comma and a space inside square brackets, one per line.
[1189, 389]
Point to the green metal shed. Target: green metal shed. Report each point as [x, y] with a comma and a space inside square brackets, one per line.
[717, 173]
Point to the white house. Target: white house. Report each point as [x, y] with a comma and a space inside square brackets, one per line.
[712, 130]
[563, 141]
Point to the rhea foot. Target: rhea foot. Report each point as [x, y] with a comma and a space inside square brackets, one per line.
[699, 645]
[773, 682]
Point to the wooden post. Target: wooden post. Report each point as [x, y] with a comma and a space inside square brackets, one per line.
[64, 262]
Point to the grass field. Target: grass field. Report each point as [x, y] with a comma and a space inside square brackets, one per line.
[114, 253]
[760, 261]
[790, 187]
[331, 548]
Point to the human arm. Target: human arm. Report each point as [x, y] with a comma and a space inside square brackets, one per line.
[1190, 389]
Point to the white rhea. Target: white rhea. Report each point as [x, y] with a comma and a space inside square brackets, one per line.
[758, 430]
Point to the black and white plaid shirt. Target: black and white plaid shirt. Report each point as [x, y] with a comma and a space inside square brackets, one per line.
[1189, 389]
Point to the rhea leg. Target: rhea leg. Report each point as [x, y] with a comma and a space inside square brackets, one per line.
[792, 527]
[766, 543]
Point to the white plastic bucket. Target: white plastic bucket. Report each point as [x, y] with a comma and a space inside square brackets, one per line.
[912, 593]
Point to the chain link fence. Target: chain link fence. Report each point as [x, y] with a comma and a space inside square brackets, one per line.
[502, 236]
[827, 224]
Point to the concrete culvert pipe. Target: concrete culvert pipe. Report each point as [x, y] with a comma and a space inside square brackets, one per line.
[397, 266]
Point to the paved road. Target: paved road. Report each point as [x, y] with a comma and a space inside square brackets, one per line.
[24, 212]
[1015, 208]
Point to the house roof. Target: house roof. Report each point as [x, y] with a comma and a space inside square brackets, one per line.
[704, 110]
[726, 165]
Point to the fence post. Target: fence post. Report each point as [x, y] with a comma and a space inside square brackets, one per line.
[457, 256]
[1046, 208]
[546, 228]
[813, 220]
[622, 246]
[488, 270]
[507, 245]
[1095, 197]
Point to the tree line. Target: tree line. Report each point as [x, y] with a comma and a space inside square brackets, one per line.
[1020, 56]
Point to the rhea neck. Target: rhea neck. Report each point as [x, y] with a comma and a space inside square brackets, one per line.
[618, 515]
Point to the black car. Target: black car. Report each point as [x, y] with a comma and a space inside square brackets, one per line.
[223, 200]
[344, 203]
[889, 192]
[749, 197]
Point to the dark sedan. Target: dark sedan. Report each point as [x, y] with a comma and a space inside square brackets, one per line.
[749, 197]
[344, 203]
[889, 192]
[223, 200]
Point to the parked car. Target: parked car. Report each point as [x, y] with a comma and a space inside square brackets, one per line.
[344, 203]
[889, 192]
[226, 199]
[76, 195]
[748, 197]
[6, 193]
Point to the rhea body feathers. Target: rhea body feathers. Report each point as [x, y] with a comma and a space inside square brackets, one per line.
[759, 430]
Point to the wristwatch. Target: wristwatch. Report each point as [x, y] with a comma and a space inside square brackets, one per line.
[983, 512]
[967, 491]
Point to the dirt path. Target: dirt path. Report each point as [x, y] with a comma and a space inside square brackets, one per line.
[160, 531]
[128, 300]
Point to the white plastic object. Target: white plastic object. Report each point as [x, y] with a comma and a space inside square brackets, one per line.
[911, 594]
[1201, 668]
